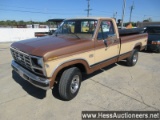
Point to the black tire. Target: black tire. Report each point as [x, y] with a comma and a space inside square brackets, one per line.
[132, 60]
[70, 83]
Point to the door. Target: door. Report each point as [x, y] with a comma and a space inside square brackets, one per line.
[106, 44]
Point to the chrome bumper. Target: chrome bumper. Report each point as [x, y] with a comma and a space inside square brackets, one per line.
[30, 77]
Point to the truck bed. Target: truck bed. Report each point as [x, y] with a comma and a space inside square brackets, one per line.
[131, 40]
[124, 32]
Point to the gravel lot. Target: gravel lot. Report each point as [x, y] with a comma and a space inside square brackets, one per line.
[116, 87]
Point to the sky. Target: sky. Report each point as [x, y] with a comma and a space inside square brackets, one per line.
[42, 10]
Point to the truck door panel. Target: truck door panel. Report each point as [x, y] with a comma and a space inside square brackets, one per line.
[110, 49]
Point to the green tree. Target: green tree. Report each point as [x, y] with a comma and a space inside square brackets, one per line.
[21, 22]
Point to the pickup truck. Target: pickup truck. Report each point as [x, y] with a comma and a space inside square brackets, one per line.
[79, 46]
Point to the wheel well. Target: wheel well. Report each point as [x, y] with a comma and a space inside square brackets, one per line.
[137, 47]
[81, 67]
[78, 65]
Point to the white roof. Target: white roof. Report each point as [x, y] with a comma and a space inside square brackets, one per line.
[90, 18]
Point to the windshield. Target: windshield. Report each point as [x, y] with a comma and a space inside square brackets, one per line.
[153, 30]
[82, 29]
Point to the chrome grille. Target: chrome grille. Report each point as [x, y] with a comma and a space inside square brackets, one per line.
[22, 58]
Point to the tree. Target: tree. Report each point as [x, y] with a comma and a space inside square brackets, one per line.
[21, 22]
[148, 20]
[12, 23]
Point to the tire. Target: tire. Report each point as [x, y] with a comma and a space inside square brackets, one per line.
[70, 83]
[132, 60]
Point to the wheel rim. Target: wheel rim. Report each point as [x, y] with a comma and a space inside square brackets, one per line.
[135, 56]
[75, 84]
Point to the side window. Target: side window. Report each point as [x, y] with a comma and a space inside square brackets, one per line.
[106, 29]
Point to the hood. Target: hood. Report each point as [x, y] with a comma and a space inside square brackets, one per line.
[153, 37]
[52, 46]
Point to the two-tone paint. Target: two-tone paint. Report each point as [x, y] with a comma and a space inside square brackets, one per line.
[89, 55]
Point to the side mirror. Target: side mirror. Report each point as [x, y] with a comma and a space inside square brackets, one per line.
[105, 42]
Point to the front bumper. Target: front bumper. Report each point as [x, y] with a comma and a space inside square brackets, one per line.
[153, 47]
[37, 81]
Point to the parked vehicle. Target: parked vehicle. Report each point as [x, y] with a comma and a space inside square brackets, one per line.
[51, 30]
[80, 45]
[153, 38]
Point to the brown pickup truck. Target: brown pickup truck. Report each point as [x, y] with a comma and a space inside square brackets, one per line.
[80, 45]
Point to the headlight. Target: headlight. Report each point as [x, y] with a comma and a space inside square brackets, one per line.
[155, 42]
[37, 61]
[37, 65]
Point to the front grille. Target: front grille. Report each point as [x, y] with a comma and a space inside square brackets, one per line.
[22, 58]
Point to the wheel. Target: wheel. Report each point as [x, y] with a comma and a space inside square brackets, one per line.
[70, 83]
[132, 60]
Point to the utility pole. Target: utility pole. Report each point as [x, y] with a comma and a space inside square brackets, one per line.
[123, 12]
[115, 15]
[88, 9]
[132, 7]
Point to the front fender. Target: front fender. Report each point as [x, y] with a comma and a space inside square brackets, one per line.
[65, 64]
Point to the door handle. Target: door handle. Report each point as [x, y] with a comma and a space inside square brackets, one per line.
[105, 42]
[115, 41]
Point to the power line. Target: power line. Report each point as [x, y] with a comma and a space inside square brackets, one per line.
[12, 6]
[65, 13]
[38, 12]
[88, 9]
[27, 11]
[21, 7]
